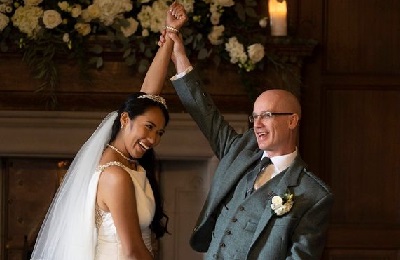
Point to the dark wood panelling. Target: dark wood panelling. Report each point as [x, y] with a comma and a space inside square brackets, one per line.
[30, 189]
[107, 88]
[349, 132]
[104, 102]
[104, 89]
[363, 255]
[368, 237]
[362, 152]
[362, 37]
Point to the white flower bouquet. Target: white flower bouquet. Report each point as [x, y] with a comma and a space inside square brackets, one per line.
[220, 31]
[216, 27]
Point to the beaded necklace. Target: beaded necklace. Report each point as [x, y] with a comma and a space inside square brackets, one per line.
[120, 153]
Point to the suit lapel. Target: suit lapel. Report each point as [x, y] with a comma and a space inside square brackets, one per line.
[238, 168]
[290, 178]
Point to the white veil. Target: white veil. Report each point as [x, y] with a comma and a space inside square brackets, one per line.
[68, 231]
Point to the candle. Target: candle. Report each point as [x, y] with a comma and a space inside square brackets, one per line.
[277, 16]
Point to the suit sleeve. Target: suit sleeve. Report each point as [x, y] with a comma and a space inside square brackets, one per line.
[202, 109]
[309, 236]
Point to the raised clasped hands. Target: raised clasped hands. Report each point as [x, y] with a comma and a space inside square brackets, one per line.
[176, 17]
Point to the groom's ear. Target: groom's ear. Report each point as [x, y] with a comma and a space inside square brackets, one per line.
[294, 121]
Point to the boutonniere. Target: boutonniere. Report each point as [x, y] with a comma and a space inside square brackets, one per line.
[282, 205]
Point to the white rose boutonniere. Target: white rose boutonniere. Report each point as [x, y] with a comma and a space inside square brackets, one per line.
[282, 205]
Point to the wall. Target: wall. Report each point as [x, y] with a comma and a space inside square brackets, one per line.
[351, 101]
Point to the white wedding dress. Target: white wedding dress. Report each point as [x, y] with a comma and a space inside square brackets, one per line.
[108, 243]
[73, 228]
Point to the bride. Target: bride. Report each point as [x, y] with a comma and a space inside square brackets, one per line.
[109, 204]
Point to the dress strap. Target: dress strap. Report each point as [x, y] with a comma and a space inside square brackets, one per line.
[102, 167]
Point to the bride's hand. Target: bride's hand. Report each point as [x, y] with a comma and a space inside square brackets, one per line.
[176, 16]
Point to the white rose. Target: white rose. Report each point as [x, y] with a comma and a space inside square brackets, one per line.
[63, 6]
[256, 52]
[280, 211]
[126, 7]
[236, 51]
[93, 12]
[3, 8]
[9, 9]
[158, 16]
[76, 11]
[32, 2]
[144, 16]
[26, 18]
[110, 9]
[277, 201]
[85, 15]
[51, 19]
[215, 37]
[188, 5]
[4, 20]
[82, 28]
[131, 28]
[153, 18]
[225, 3]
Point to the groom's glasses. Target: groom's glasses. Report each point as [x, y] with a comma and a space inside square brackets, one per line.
[265, 115]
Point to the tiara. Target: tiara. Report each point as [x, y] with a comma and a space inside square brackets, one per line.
[155, 98]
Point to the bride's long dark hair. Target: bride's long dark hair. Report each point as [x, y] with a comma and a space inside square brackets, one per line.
[135, 106]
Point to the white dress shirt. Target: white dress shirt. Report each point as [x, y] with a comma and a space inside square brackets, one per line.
[278, 165]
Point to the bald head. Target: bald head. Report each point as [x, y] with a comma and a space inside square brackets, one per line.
[279, 100]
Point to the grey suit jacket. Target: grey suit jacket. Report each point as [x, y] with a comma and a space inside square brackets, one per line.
[299, 234]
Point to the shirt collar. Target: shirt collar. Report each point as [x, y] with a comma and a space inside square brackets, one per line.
[282, 162]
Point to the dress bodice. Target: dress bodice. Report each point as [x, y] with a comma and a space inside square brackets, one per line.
[108, 242]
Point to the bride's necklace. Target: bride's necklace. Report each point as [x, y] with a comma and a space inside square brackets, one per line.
[120, 153]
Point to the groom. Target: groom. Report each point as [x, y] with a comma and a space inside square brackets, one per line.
[279, 211]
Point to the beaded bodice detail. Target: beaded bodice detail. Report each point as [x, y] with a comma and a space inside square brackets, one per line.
[108, 238]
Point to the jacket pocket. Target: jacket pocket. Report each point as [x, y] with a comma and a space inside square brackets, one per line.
[250, 226]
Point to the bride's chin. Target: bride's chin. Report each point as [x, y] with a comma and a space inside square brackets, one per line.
[139, 152]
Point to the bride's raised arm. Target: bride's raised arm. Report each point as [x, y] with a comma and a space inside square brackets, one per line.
[155, 76]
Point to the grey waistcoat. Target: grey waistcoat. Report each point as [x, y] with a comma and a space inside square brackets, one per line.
[238, 220]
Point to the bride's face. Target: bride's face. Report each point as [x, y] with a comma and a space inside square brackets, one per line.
[143, 132]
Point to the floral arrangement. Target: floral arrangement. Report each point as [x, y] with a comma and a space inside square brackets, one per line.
[218, 30]
[282, 205]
